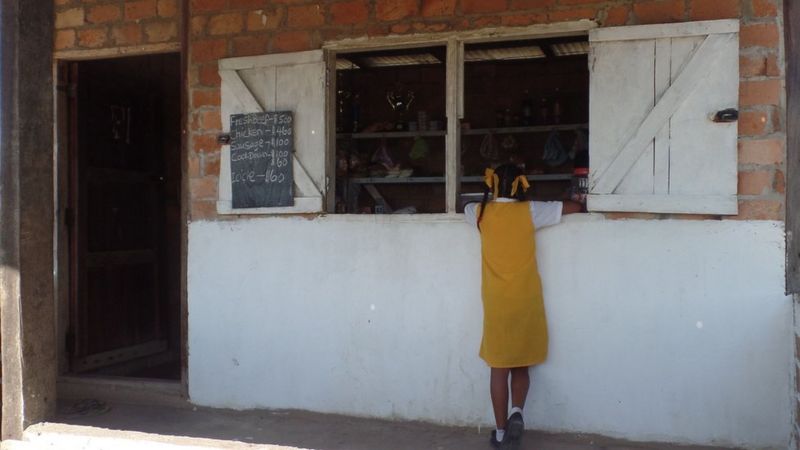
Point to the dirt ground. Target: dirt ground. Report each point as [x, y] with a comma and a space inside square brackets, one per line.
[318, 431]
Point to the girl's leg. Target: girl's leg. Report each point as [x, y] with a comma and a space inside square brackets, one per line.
[499, 391]
[520, 382]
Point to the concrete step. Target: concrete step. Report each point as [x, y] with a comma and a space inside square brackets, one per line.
[55, 436]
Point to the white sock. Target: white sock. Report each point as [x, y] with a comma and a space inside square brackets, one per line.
[515, 409]
[499, 435]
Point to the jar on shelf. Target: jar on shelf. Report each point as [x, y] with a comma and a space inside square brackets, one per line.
[580, 184]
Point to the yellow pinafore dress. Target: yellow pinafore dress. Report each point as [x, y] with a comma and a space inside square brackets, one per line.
[514, 322]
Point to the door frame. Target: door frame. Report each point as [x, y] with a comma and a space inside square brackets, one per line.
[61, 152]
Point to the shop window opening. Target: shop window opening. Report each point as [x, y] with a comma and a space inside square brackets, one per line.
[525, 102]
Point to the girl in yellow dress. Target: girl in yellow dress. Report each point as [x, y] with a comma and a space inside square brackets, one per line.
[514, 324]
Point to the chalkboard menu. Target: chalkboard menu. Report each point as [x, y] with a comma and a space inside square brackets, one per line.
[261, 159]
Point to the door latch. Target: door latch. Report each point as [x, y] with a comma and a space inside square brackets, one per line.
[726, 115]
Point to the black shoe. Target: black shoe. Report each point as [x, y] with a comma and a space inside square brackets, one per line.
[515, 427]
[494, 442]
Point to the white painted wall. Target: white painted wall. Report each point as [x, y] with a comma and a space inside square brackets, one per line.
[660, 330]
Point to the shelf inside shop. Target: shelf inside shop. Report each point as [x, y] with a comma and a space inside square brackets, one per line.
[469, 179]
[526, 129]
[391, 134]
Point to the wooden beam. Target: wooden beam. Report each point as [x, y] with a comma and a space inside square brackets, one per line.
[671, 30]
[791, 23]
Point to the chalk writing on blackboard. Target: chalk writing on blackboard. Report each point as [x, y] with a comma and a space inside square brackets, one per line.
[262, 146]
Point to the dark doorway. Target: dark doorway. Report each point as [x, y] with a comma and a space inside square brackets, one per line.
[124, 216]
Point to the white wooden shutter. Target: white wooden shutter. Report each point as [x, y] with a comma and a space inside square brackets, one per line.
[281, 82]
[653, 145]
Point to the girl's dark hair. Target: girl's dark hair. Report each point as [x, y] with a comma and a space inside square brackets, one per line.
[506, 175]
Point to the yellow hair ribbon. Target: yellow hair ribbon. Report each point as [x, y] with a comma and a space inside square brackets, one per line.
[492, 180]
[522, 179]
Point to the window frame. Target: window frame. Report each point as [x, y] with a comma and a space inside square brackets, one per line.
[454, 89]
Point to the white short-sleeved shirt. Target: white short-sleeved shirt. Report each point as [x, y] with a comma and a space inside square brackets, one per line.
[543, 214]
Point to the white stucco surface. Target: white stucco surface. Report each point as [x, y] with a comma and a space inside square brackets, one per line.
[660, 330]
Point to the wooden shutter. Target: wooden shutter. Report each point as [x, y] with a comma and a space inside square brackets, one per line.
[654, 90]
[281, 82]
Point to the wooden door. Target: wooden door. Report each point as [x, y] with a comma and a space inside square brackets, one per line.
[120, 194]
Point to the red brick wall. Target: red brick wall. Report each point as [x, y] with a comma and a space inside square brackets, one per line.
[102, 24]
[229, 28]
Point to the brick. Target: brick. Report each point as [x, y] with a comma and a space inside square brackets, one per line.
[760, 210]
[714, 9]
[208, 75]
[203, 188]
[230, 23]
[103, 13]
[762, 92]
[208, 120]
[203, 209]
[64, 39]
[752, 66]
[161, 31]
[487, 21]
[92, 37]
[694, 217]
[198, 25]
[127, 34]
[433, 8]
[167, 8]
[388, 10]
[752, 123]
[141, 9]
[208, 50]
[377, 30]
[248, 4]
[659, 11]
[773, 69]
[579, 2]
[211, 164]
[70, 18]
[430, 27]
[572, 14]
[755, 183]
[531, 4]
[306, 16]
[207, 5]
[765, 8]
[400, 28]
[264, 19]
[193, 166]
[483, 6]
[205, 143]
[631, 216]
[759, 35]
[350, 13]
[251, 45]
[780, 182]
[776, 117]
[617, 16]
[291, 41]
[761, 151]
[523, 19]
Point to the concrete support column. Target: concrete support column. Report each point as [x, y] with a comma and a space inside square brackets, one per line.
[27, 302]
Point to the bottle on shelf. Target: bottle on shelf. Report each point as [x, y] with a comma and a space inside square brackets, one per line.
[557, 108]
[544, 112]
[527, 109]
